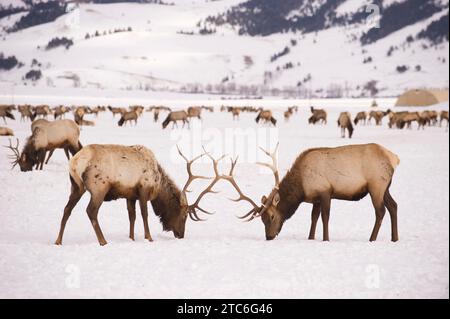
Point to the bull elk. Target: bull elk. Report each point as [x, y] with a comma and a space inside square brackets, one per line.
[46, 138]
[267, 117]
[174, 117]
[345, 123]
[99, 169]
[321, 174]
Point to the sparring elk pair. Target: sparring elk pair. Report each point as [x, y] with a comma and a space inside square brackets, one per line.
[317, 176]
[46, 137]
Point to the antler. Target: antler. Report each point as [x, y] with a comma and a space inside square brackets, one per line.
[191, 177]
[274, 166]
[16, 154]
[254, 212]
[208, 189]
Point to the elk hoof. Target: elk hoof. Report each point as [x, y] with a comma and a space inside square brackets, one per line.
[132, 238]
[103, 243]
[58, 243]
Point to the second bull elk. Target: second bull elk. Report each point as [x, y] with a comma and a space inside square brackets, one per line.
[110, 172]
[321, 174]
[46, 137]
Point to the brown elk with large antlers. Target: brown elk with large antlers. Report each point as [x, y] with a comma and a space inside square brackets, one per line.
[110, 172]
[321, 174]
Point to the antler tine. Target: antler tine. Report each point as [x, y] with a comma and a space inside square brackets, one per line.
[242, 197]
[191, 176]
[208, 189]
[15, 157]
[274, 166]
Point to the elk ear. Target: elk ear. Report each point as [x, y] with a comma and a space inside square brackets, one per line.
[276, 199]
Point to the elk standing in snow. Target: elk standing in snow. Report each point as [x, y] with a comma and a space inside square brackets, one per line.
[128, 116]
[41, 110]
[345, 122]
[267, 117]
[110, 172]
[443, 117]
[46, 137]
[25, 112]
[5, 112]
[194, 111]
[377, 116]
[288, 114]
[360, 117]
[174, 117]
[318, 115]
[116, 110]
[321, 174]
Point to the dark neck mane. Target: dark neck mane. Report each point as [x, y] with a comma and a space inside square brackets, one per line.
[291, 194]
[168, 202]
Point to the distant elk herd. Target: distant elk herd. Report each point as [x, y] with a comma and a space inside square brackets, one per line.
[317, 175]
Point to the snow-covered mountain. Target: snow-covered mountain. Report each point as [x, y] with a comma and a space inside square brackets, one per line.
[300, 48]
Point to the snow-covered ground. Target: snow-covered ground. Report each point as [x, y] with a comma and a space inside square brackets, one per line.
[224, 257]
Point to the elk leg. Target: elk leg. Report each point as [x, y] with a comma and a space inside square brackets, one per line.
[314, 217]
[380, 210]
[144, 213]
[325, 204]
[41, 159]
[66, 151]
[92, 211]
[75, 195]
[49, 155]
[131, 206]
[391, 205]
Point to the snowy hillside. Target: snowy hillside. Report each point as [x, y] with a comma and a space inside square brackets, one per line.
[184, 46]
[134, 46]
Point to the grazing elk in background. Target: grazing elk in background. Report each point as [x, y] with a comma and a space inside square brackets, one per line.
[360, 117]
[128, 117]
[99, 169]
[377, 116]
[116, 110]
[139, 109]
[5, 131]
[60, 111]
[267, 117]
[288, 114]
[318, 116]
[25, 112]
[235, 111]
[175, 116]
[194, 111]
[345, 122]
[321, 174]
[443, 117]
[46, 137]
[6, 112]
[41, 110]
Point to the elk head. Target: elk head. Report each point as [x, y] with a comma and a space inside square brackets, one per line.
[26, 160]
[178, 223]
